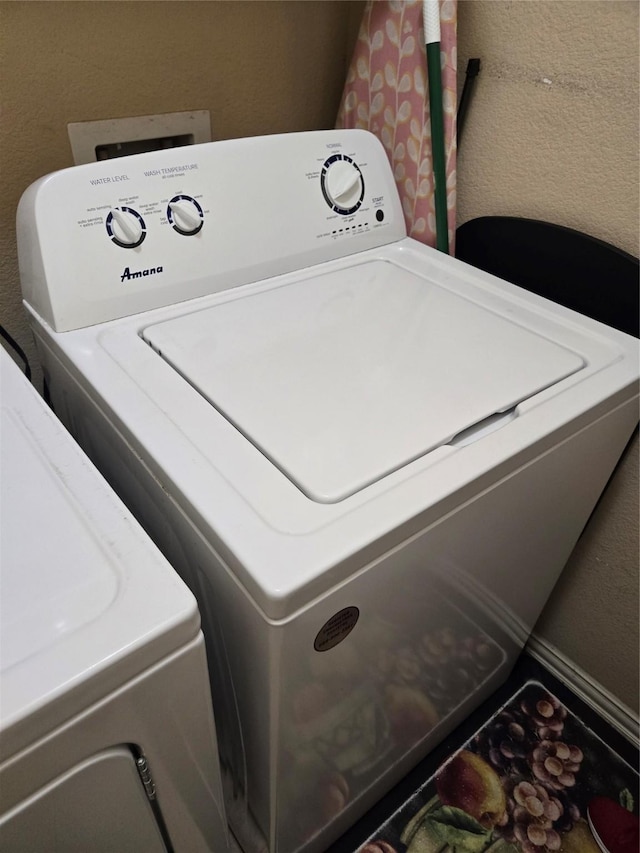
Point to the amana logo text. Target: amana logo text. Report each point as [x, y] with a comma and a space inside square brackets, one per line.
[127, 274]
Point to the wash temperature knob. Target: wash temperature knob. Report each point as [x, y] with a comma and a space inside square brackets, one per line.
[185, 214]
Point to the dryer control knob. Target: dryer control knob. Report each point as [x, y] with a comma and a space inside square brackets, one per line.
[342, 184]
[185, 215]
[126, 227]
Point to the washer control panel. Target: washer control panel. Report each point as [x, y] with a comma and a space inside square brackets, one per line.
[158, 228]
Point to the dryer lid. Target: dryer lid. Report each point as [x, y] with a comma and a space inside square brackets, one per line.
[87, 601]
[343, 377]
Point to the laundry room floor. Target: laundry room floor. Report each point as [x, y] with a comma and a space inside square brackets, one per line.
[534, 769]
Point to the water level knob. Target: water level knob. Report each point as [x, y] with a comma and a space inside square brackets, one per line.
[125, 227]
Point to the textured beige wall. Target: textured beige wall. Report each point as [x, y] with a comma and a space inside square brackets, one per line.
[259, 67]
[552, 133]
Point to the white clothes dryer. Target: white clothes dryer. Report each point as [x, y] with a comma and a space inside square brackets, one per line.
[107, 738]
[368, 460]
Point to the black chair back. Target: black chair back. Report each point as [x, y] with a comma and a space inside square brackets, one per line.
[563, 265]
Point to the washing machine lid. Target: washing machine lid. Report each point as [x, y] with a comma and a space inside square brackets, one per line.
[87, 601]
[343, 377]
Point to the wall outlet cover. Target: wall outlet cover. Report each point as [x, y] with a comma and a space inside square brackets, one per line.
[93, 140]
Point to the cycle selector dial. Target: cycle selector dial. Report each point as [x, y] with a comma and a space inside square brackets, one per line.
[342, 184]
[125, 227]
[185, 215]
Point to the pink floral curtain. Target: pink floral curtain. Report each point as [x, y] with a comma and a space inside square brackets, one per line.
[386, 92]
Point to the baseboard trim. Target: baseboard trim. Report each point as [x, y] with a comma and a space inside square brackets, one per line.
[618, 715]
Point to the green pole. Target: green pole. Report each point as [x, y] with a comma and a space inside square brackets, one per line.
[431, 20]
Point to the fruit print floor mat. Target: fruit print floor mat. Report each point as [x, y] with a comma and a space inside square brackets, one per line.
[535, 770]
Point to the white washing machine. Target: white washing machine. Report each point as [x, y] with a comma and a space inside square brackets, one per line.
[107, 739]
[368, 460]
